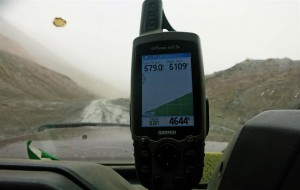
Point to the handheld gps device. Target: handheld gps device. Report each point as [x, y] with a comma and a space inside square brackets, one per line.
[168, 104]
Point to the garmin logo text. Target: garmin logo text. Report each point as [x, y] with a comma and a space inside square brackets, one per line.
[166, 132]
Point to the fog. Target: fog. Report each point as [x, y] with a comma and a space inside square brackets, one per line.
[98, 35]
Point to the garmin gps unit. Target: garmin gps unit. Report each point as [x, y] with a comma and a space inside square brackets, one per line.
[168, 106]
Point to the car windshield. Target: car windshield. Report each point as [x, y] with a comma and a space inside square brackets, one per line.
[65, 69]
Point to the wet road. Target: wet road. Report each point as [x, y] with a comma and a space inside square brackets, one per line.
[105, 111]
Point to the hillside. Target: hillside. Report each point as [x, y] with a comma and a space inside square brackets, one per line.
[50, 59]
[32, 95]
[11, 46]
[21, 78]
[248, 88]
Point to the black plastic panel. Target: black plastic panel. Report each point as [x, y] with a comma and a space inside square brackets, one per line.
[264, 155]
[56, 175]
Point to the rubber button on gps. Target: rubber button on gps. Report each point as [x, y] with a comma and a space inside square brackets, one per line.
[190, 170]
[145, 169]
[167, 156]
[145, 154]
[158, 180]
[178, 180]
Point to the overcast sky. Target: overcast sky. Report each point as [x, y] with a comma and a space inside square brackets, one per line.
[98, 35]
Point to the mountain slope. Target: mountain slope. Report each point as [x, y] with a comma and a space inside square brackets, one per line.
[23, 78]
[32, 95]
[49, 59]
[248, 88]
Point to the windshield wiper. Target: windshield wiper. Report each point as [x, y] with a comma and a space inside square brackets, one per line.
[72, 125]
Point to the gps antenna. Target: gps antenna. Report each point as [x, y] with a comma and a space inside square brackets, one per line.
[153, 18]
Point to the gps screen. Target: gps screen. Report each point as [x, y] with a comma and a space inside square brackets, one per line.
[167, 93]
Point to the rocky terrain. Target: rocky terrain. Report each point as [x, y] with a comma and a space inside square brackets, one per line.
[248, 88]
[21, 78]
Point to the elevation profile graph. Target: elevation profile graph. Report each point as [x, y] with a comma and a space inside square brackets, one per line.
[182, 106]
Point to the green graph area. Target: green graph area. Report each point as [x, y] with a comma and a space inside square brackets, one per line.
[182, 106]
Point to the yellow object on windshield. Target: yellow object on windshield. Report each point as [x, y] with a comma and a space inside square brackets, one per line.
[59, 22]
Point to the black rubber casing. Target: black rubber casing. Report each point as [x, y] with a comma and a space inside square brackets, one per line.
[173, 160]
